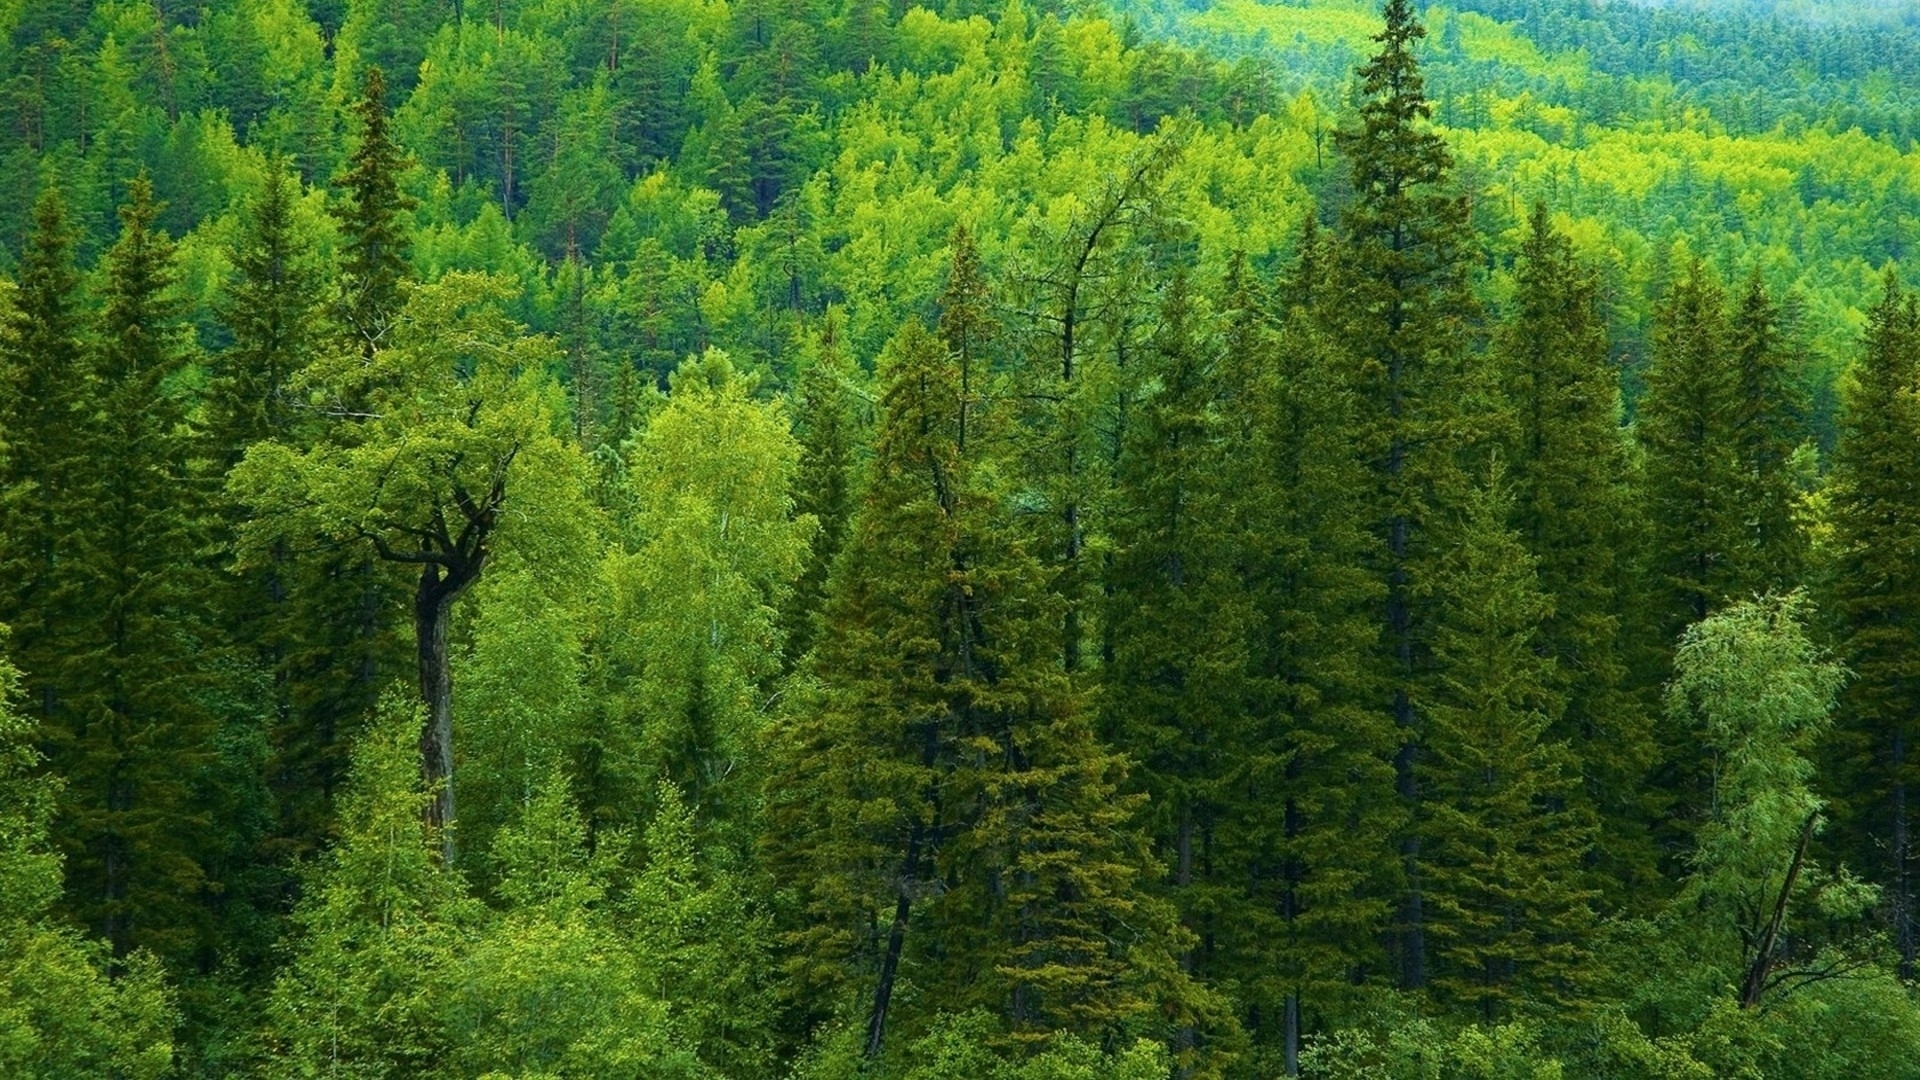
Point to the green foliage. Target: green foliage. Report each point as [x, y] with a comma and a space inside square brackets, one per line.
[1503, 853]
[61, 1015]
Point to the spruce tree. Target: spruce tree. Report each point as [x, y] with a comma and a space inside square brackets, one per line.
[47, 420]
[827, 423]
[1769, 423]
[941, 770]
[1506, 841]
[1875, 499]
[373, 259]
[133, 731]
[1569, 508]
[1314, 816]
[1178, 617]
[1696, 536]
[1403, 312]
[271, 306]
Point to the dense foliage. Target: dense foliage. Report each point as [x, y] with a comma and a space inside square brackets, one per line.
[787, 538]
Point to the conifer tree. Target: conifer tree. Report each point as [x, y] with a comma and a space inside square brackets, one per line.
[1769, 424]
[272, 308]
[60, 1014]
[46, 430]
[942, 770]
[285, 612]
[1876, 596]
[1505, 841]
[373, 260]
[1696, 537]
[827, 423]
[1314, 813]
[1402, 312]
[1177, 620]
[1568, 469]
[133, 729]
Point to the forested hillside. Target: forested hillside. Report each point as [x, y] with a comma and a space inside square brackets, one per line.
[820, 539]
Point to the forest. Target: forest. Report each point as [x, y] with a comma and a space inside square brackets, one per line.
[1033, 540]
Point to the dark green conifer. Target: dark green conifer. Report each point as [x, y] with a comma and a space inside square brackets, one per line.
[1402, 312]
[373, 259]
[1178, 618]
[1696, 536]
[1875, 493]
[1310, 771]
[132, 730]
[47, 421]
[1770, 423]
[828, 426]
[941, 770]
[1570, 509]
[1506, 841]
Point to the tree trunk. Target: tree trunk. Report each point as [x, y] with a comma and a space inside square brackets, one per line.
[432, 607]
[896, 941]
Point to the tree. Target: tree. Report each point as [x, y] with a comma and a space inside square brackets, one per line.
[940, 766]
[373, 259]
[1315, 812]
[60, 1013]
[272, 307]
[827, 424]
[132, 728]
[1696, 534]
[47, 433]
[1403, 312]
[1177, 617]
[1571, 509]
[378, 927]
[1505, 846]
[1758, 694]
[1769, 423]
[426, 440]
[1876, 596]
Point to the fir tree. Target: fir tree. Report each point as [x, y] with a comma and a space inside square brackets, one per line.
[1769, 424]
[942, 769]
[47, 428]
[1570, 506]
[373, 260]
[1178, 619]
[272, 307]
[1697, 539]
[1314, 814]
[1876, 595]
[1505, 843]
[1402, 312]
[827, 424]
[133, 730]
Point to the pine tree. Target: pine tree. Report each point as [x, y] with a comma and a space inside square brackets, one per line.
[373, 260]
[1505, 843]
[1567, 476]
[1402, 312]
[133, 730]
[942, 769]
[1769, 423]
[1876, 595]
[1314, 812]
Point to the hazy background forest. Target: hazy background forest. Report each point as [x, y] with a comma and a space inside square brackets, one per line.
[1026, 540]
